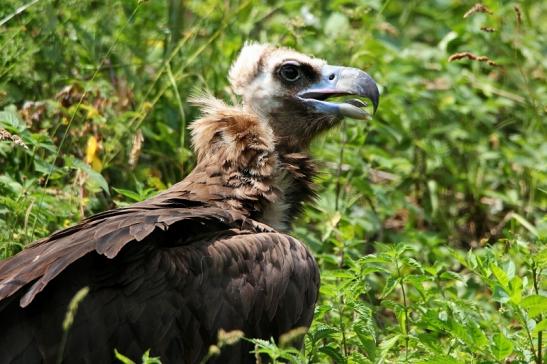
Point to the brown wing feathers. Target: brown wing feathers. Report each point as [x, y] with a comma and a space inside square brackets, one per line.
[106, 234]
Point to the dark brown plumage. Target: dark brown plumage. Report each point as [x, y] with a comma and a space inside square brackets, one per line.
[209, 253]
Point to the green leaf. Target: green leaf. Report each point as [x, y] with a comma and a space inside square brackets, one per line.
[147, 359]
[509, 269]
[371, 258]
[386, 345]
[449, 37]
[501, 346]
[440, 359]
[477, 335]
[413, 263]
[470, 333]
[451, 276]
[332, 353]
[123, 358]
[535, 305]
[44, 167]
[390, 285]
[500, 276]
[541, 258]
[500, 294]
[10, 120]
[368, 342]
[94, 176]
[431, 341]
[540, 326]
[11, 184]
[358, 358]
[323, 331]
[128, 193]
[521, 220]
[516, 290]
[472, 260]
[401, 317]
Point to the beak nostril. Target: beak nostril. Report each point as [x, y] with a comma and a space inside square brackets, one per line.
[332, 76]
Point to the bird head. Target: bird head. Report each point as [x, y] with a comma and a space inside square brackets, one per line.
[291, 91]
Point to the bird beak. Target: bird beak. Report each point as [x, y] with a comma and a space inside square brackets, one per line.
[342, 81]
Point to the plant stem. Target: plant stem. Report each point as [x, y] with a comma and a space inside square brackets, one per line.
[17, 12]
[405, 304]
[339, 168]
[524, 324]
[69, 319]
[342, 326]
[179, 104]
[175, 22]
[535, 275]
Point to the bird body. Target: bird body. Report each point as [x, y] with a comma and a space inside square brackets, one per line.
[209, 253]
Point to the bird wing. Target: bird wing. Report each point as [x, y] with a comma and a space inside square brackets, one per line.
[107, 233]
[170, 295]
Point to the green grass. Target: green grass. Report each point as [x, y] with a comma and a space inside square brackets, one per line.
[430, 227]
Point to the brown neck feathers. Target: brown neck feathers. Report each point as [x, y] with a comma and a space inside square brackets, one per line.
[239, 167]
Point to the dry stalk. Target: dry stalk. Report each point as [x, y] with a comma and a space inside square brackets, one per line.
[477, 8]
[15, 139]
[473, 57]
[488, 29]
[135, 153]
[518, 14]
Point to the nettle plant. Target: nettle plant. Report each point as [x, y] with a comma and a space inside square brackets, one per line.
[482, 307]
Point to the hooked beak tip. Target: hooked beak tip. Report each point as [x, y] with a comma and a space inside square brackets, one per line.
[362, 84]
[343, 81]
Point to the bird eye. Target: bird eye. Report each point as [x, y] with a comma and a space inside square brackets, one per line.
[290, 72]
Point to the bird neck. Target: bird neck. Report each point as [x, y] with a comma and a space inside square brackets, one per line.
[241, 168]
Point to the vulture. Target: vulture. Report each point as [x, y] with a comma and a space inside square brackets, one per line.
[210, 253]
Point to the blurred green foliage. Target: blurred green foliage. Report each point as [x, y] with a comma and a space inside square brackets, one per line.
[430, 226]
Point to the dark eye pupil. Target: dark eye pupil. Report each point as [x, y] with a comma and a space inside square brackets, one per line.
[290, 73]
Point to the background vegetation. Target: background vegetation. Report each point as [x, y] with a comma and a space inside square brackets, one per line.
[430, 227]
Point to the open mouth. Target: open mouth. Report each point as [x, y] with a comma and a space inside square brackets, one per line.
[344, 103]
[354, 108]
[356, 102]
[340, 92]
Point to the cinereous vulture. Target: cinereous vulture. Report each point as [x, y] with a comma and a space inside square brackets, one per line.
[211, 252]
